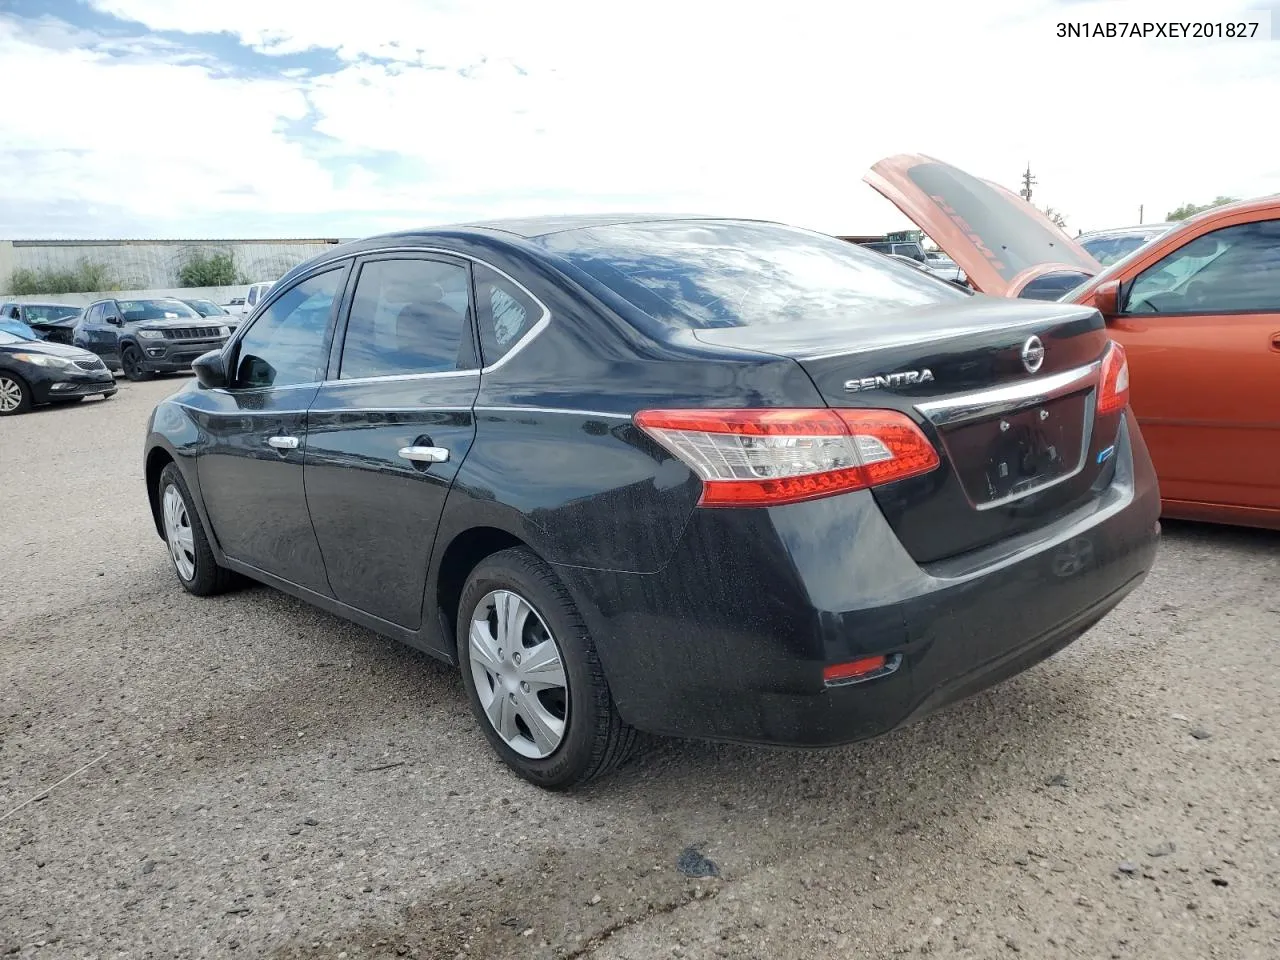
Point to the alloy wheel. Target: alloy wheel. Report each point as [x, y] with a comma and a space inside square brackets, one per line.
[519, 674]
[10, 395]
[177, 533]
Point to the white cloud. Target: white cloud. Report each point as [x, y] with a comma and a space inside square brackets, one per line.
[483, 109]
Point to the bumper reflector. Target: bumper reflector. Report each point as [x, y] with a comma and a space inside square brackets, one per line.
[855, 671]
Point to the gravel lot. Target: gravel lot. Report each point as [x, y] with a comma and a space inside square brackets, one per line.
[273, 782]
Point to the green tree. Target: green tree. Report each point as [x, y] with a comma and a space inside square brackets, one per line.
[208, 270]
[84, 277]
[1191, 209]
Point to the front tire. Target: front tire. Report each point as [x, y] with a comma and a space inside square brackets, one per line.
[189, 549]
[131, 361]
[15, 395]
[533, 677]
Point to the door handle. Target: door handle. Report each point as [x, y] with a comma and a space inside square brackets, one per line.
[1275, 341]
[283, 443]
[425, 454]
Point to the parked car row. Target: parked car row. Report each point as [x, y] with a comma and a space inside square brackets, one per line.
[36, 371]
[143, 337]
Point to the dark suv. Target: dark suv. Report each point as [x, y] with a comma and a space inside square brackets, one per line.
[146, 337]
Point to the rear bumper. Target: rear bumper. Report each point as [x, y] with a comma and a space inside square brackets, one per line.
[729, 640]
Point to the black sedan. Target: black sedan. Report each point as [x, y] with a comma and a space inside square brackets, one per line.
[706, 478]
[34, 371]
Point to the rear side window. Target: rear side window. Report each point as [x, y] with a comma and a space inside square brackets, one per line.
[407, 317]
[733, 274]
[504, 313]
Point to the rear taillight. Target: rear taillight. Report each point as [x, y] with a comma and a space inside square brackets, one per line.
[1114, 392]
[755, 458]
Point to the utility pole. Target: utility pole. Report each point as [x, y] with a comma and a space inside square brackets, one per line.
[1140, 213]
[1027, 181]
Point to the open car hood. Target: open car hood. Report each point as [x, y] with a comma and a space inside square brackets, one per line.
[1001, 241]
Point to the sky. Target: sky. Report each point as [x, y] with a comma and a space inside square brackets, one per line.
[284, 118]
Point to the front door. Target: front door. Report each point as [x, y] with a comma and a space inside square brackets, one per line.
[255, 433]
[389, 430]
[91, 333]
[1201, 327]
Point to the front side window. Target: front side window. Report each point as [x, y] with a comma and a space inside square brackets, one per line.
[734, 274]
[504, 313]
[407, 317]
[95, 313]
[1232, 270]
[286, 344]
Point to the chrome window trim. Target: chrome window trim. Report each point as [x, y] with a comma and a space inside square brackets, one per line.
[428, 408]
[393, 377]
[998, 400]
[249, 391]
[565, 410]
[541, 324]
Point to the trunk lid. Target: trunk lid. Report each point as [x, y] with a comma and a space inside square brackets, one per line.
[1015, 426]
[1002, 242]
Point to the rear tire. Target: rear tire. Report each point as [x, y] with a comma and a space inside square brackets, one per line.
[131, 362]
[15, 395]
[558, 697]
[189, 549]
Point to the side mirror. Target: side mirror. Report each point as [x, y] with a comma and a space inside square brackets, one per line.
[115, 321]
[210, 369]
[1107, 298]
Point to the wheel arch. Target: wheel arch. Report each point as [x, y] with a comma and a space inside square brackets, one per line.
[157, 459]
[465, 551]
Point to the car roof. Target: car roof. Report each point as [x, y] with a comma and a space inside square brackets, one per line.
[533, 227]
[514, 231]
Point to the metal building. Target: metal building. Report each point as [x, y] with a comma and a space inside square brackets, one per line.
[154, 264]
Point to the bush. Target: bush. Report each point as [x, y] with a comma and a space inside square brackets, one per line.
[200, 270]
[85, 277]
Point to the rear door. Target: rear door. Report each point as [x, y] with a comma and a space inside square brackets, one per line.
[1002, 242]
[1201, 326]
[390, 428]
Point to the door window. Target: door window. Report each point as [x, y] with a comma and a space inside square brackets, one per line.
[407, 317]
[1232, 270]
[286, 344]
[94, 315]
[504, 313]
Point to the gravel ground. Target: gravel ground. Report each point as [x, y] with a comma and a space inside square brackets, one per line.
[269, 781]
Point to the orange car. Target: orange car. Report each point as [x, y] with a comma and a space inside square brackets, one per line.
[1197, 311]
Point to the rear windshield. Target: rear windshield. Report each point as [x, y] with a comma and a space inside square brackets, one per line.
[699, 274]
[206, 308]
